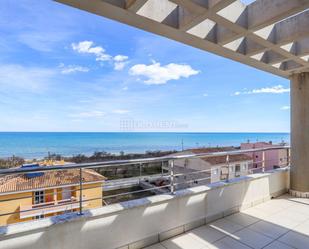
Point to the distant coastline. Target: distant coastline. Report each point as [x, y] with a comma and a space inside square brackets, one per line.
[31, 145]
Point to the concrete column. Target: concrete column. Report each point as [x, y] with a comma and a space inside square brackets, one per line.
[55, 196]
[299, 184]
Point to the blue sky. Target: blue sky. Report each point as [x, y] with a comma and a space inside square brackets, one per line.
[62, 69]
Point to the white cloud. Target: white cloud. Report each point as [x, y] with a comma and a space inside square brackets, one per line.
[157, 74]
[121, 111]
[285, 108]
[237, 93]
[119, 65]
[90, 114]
[72, 69]
[205, 94]
[120, 61]
[86, 47]
[35, 79]
[43, 41]
[120, 58]
[279, 89]
[125, 88]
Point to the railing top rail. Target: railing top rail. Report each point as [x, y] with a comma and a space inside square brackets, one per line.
[115, 163]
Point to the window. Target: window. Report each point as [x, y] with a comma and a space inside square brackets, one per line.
[237, 167]
[237, 170]
[39, 197]
[244, 167]
[66, 193]
[216, 171]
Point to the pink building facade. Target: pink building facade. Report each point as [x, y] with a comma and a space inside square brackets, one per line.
[273, 158]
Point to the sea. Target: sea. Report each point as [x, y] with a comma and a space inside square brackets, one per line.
[30, 145]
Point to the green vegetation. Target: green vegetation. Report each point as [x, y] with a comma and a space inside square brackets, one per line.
[11, 162]
[101, 156]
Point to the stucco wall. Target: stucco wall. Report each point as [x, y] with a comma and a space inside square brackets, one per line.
[12, 203]
[92, 194]
[199, 164]
[142, 222]
[272, 157]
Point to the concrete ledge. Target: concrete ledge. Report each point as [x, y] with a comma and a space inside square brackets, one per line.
[194, 224]
[171, 233]
[144, 242]
[299, 194]
[139, 223]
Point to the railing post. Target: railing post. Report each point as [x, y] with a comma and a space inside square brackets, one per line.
[162, 164]
[263, 161]
[288, 157]
[80, 191]
[228, 167]
[172, 176]
[140, 169]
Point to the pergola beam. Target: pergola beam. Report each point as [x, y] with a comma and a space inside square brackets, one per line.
[134, 5]
[213, 25]
[111, 11]
[302, 47]
[292, 28]
[200, 10]
[262, 13]
[226, 30]
[287, 31]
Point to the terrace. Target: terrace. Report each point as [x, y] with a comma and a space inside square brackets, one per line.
[147, 220]
[271, 35]
[281, 223]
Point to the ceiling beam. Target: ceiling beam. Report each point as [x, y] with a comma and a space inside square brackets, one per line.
[302, 47]
[200, 10]
[291, 29]
[285, 32]
[279, 48]
[134, 5]
[160, 11]
[217, 5]
[108, 10]
[271, 57]
[262, 13]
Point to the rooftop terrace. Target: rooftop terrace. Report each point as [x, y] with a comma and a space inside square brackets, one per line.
[271, 35]
[281, 223]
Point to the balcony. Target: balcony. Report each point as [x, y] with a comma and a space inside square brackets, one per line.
[197, 216]
[281, 223]
[52, 207]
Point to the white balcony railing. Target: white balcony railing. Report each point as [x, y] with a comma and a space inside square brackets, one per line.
[29, 211]
[173, 180]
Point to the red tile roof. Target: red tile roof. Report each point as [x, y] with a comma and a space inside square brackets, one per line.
[20, 182]
[215, 160]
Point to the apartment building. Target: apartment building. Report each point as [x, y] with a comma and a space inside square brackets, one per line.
[31, 196]
[215, 167]
[273, 158]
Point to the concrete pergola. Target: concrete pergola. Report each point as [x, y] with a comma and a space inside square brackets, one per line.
[271, 35]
